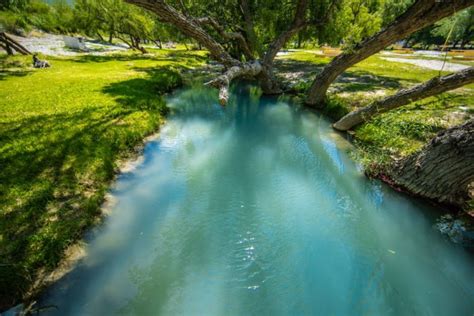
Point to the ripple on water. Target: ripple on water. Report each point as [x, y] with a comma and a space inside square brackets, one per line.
[256, 209]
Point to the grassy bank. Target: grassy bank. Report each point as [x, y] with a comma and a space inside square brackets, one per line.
[398, 132]
[62, 131]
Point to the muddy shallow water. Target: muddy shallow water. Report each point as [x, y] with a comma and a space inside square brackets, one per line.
[256, 209]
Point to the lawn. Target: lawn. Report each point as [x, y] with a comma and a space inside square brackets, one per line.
[62, 132]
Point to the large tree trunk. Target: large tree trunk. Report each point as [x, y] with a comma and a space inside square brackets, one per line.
[443, 170]
[421, 14]
[429, 88]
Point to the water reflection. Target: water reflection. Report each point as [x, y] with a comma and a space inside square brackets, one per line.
[256, 209]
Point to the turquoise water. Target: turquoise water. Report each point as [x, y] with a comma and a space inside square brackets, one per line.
[256, 209]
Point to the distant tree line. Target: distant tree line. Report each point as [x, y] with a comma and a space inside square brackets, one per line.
[107, 20]
[351, 21]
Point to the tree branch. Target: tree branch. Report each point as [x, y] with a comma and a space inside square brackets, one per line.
[249, 27]
[188, 26]
[431, 87]
[228, 35]
[298, 24]
[223, 81]
[421, 14]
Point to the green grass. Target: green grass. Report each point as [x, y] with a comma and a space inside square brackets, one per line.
[62, 131]
[399, 132]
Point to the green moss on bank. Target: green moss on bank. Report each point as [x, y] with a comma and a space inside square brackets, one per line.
[62, 131]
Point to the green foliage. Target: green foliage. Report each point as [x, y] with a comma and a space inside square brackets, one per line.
[60, 140]
[335, 108]
[461, 26]
[54, 18]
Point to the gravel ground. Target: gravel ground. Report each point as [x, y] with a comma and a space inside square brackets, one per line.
[53, 45]
[429, 64]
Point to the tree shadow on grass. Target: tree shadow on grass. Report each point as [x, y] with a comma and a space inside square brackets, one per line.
[13, 68]
[146, 93]
[349, 81]
[181, 58]
[56, 168]
[54, 171]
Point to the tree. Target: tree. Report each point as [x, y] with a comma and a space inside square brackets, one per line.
[420, 173]
[460, 28]
[116, 19]
[252, 41]
[432, 87]
[421, 14]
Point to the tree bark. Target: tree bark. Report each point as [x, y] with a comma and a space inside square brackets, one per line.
[422, 13]
[443, 170]
[249, 28]
[429, 88]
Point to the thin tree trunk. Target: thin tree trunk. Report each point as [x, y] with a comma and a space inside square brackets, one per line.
[111, 37]
[249, 28]
[100, 37]
[422, 13]
[429, 88]
[267, 79]
[158, 43]
[11, 45]
[443, 170]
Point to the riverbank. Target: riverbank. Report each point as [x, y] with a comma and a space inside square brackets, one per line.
[63, 132]
[392, 135]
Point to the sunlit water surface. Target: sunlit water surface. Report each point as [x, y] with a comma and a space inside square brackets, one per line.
[256, 209]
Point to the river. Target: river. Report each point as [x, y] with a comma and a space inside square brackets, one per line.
[257, 209]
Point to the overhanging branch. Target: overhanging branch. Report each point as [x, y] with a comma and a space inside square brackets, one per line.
[222, 82]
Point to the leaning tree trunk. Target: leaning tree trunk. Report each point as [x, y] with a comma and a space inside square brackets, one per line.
[432, 87]
[443, 170]
[422, 13]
